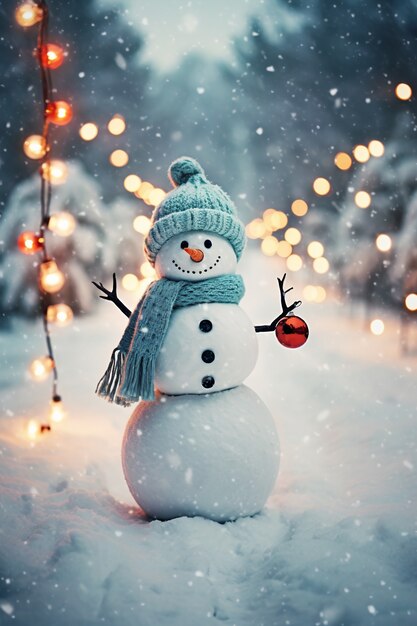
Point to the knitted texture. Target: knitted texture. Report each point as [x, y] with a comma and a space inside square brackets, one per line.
[131, 371]
[194, 204]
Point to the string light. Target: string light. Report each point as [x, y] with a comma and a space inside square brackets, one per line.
[55, 172]
[411, 302]
[29, 242]
[88, 131]
[59, 314]
[59, 113]
[28, 14]
[40, 368]
[51, 279]
[35, 147]
[56, 409]
[62, 224]
[52, 56]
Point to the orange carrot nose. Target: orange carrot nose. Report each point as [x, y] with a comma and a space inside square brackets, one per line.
[196, 254]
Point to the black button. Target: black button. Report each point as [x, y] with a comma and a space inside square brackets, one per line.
[205, 326]
[207, 382]
[208, 356]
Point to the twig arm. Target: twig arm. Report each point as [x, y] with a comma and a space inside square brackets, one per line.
[112, 296]
[267, 328]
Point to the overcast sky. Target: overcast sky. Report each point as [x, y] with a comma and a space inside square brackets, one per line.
[173, 27]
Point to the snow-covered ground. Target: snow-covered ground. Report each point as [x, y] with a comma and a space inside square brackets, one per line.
[336, 546]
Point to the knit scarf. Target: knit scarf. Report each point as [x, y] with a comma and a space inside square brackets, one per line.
[131, 371]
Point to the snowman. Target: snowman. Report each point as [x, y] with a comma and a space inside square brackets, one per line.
[199, 443]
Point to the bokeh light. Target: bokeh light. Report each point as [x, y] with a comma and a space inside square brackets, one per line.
[132, 182]
[321, 186]
[40, 368]
[383, 242]
[314, 293]
[35, 147]
[321, 265]
[315, 249]
[55, 172]
[59, 314]
[293, 236]
[130, 282]
[376, 148]
[142, 224]
[411, 302]
[116, 125]
[62, 223]
[284, 249]
[147, 270]
[299, 207]
[361, 153]
[343, 160]
[294, 262]
[156, 196]
[50, 277]
[144, 190]
[362, 199]
[256, 229]
[119, 158]
[88, 131]
[377, 327]
[403, 91]
[269, 246]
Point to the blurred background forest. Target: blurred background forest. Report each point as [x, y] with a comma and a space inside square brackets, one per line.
[307, 91]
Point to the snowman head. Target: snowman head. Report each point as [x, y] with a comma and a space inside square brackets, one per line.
[195, 255]
[195, 232]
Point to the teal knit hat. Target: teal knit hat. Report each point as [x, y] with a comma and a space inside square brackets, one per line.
[193, 204]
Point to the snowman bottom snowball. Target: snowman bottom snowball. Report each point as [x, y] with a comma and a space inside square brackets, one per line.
[214, 455]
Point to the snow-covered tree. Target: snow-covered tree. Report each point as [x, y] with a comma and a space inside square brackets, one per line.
[97, 247]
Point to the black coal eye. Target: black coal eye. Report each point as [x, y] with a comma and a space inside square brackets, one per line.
[184, 244]
[208, 243]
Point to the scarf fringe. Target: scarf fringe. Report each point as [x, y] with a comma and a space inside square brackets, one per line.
[138, 378]
[109, 383]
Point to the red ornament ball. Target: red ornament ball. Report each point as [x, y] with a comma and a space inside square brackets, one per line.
[292, 331]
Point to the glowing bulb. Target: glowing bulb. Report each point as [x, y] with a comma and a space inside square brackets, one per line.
[343, 161]
[33, 429]
[269, 245]
[142, 224]
[35, 147]
[144, 190]
[294, 262]
[256, 229]
[411, 302]
[28, 14]
[40, 368]
[59, 112]
[132, 183]
[376, 148]
[403, 91]
[362, 199]
[88, 131]
[117, 125]
[156, 196]
[293, 236]
[130, 282]
[29, 242]
[62, 224]
[377, 327]
[361, 153]
[50, 277]
[55, 172]
[59, 314]
[321, 186]
[284, 249]
[119, 158]
[321, 265]
[383, 243]
[56, 410]
[299, 207]
[52, 56]
[315, 249]
[147, 270]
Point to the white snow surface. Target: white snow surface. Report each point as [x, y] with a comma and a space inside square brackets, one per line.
[336, 545]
